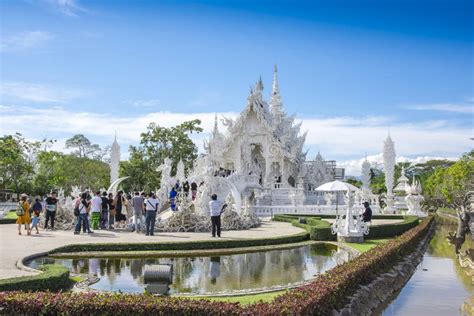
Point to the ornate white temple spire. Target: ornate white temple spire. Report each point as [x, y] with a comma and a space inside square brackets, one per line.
[276, 106]
[215, 131]
[114, 160]
[366, 175]
[389, 156]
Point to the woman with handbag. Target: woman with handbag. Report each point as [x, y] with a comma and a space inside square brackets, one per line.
[23, 214]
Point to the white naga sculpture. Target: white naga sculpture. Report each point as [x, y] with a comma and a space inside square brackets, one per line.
[347, 228]
[414, 199]
[389, 157]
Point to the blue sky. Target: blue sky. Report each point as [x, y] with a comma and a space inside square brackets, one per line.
[353, 68]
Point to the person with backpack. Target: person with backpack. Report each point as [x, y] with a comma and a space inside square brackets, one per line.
[23, 214]
[82, 210]
[111, 211]
[104, 215]
[151, 207]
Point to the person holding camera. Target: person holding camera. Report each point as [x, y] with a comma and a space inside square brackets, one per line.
[216, 209]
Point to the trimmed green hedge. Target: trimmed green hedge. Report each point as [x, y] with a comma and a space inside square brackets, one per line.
[320, 229]
[9, 218]
[54, 278]
[395, 229]
[7, 221]
[193, 245]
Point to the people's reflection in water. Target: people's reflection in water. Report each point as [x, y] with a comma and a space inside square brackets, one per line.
[215, 269]
[93, 266]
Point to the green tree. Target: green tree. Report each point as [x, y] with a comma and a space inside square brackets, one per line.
[354, 181]
[377, 181]
[156, 144]
[57, 170]
[450, 186]
[83, 147]
[17, 160]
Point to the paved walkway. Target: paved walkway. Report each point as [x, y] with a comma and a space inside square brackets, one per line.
[14, 247]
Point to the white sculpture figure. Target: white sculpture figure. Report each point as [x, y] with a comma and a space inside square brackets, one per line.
[180, 175]
[166, 180]
[389, 168]
[114, 160]
[348, 229]
[414, 199]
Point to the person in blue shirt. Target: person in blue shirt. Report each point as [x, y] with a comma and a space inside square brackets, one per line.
[173, 195]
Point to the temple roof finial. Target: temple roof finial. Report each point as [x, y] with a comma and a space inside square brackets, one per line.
[275, 102]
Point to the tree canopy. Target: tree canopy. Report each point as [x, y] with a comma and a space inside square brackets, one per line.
[156, 144]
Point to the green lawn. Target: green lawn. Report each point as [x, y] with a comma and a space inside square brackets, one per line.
[10, 215]
[449, 211]
[243, 299]
[367, 245]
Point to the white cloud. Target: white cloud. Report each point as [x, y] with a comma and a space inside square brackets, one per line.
[151, 103]
[444, 107]
[345, 139]
[66, 7]
[353, 167]
[335, 138]
[25, 41]
[37, 92]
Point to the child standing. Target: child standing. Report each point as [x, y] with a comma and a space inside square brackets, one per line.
[36, 211]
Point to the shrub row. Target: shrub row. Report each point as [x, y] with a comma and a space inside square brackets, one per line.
[193, 245]
[7, 221]
[393, 229]
[53, 278]
[320, 297]
[320, 229]
[8, 218]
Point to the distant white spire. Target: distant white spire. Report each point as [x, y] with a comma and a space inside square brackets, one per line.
[366, 174]
[276, 105]
[114, 160]
[216, 128]
[389, 157]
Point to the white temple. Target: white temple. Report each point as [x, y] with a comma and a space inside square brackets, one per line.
[114, 160]
[261, 162]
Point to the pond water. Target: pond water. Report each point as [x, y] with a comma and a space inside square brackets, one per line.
[438, 286]
[211, 274]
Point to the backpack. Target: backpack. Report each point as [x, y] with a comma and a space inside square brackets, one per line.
[20, 211]
[77, 211]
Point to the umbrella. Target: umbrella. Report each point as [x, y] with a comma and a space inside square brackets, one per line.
[336, 186]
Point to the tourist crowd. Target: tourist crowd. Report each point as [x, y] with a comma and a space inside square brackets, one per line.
[103, 210]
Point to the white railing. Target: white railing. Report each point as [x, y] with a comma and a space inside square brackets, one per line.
[267, 210]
